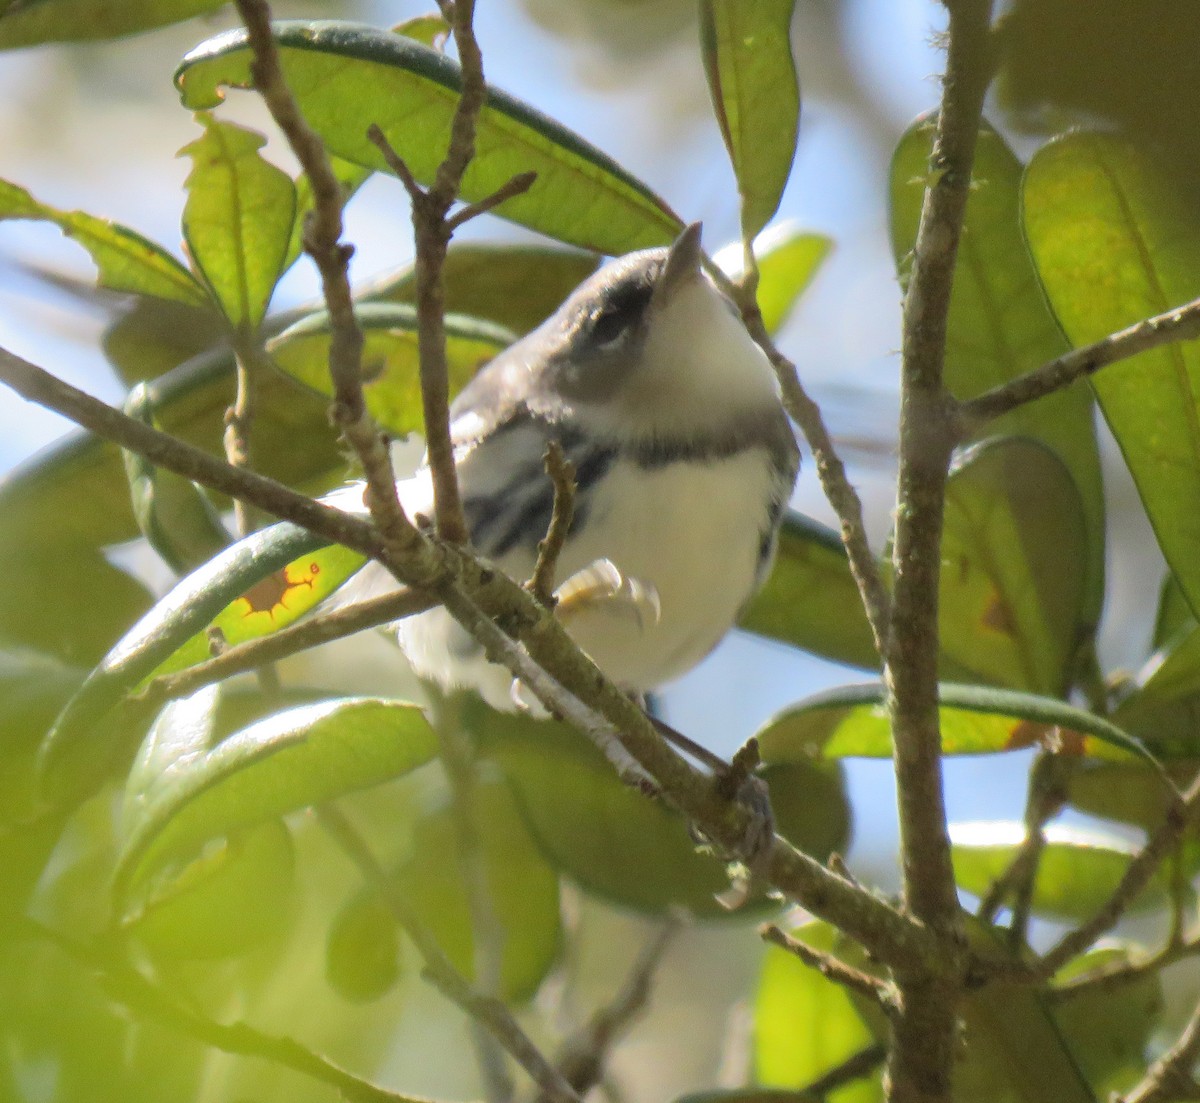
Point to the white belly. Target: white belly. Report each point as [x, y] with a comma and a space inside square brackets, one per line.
[693, 535]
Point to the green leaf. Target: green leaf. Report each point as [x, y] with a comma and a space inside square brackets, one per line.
[226, 902]
[257, 586]
[174, 515]
[125, 260]
[1114, 243]
[350, 178]
[362, 951]
[810, 599]
[851, 722]
[346, 76]
[33, 687]
[747, 51]
[596, 830]
[514, 286]
[36, 21]
[390, 361]
[523, 889]
[1109, 1036]
[999, 325]
[66, 505]
[1174, 614]
[1078, 871]
[154, 336]
[1011, 1049]
[294, 759]
[238, 218]
[804, 1024]
[1011, 592]
[430, 30]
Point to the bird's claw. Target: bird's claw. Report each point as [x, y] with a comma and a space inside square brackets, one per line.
[604, 584]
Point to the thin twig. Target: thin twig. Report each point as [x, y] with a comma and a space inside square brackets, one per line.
[239, 425]
[562, 474]
[830, 470]
[1179, 324]
[151, 1001]
[1118, 974]
[832, 968]
[1044, 799]
[252, 654]
[322, 241]
[1180, 815]
[1172, 1076]
[518, 185]
[432, 231]
[582, 1057]
[488, 1011]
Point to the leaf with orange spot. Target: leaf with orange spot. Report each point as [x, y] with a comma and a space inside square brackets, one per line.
[852, 722]
[258, 586]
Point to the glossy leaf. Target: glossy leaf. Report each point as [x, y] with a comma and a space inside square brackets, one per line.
[999, 325]
[851, 722]
[38, 21]
[514, 286]
[805, 1024]
[288, 761]
[612, 841]
[788, 259]
[523, 889]
[238, 218]
[346, 76]
[747, 52]
[1011, 592]
[1114, 243]
[255, 587]
[390, 361]
[1077, 873]
[810, 599]
[64, 506]
[125, 260]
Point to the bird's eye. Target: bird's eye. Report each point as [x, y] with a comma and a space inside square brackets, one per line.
[609, 325]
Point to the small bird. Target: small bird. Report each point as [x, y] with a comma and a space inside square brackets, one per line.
[684, 461]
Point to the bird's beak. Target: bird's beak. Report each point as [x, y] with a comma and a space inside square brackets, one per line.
[682, 266]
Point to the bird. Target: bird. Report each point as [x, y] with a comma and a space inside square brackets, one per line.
[684, 461]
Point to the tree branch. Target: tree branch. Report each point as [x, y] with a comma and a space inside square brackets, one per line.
[322, 241]
[921, 1058]
[1180, 324]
